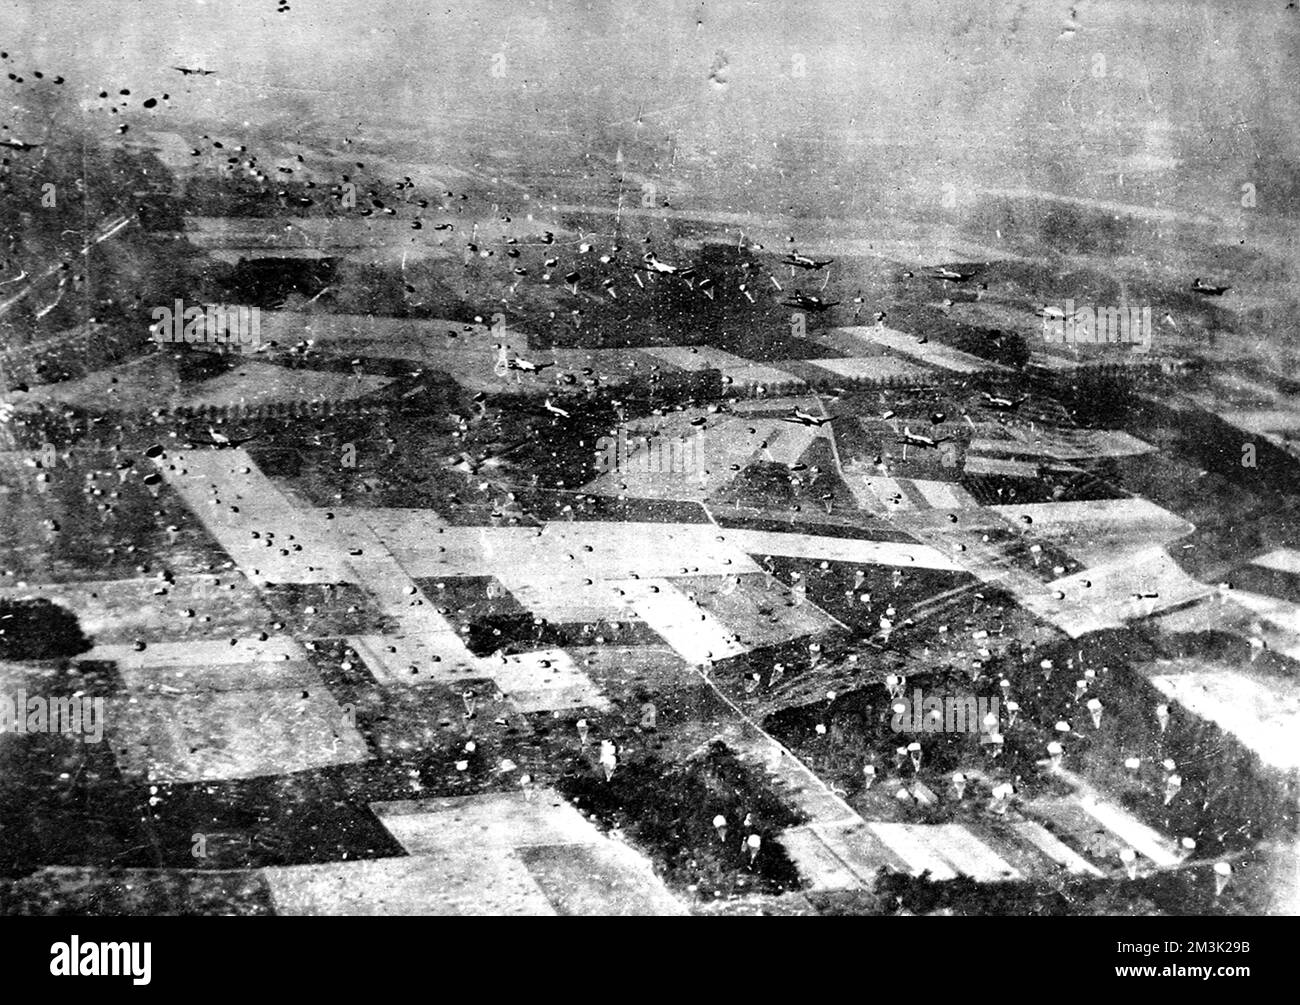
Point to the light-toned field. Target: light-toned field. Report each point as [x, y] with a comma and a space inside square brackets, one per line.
[1283, 559]
[191, 612]
[354, 232]
[979, 464]
[257, 383]
[870, 367]
[210, 735]
[562, 597]
[1107, 596]
[598, 551]
[789, 441]
[882, 494]
[233, 499]
[694, 633]
[935, 354]
[467, 352]
[1265, 420]
[695, 358]
[839, 549]
[1274, 622]
[500, 853]
[945, 843]
[759, 610]
[1100, 531]
[1261, 711]
[545, 680]
[491, 854]
[154, 380]
[1061, 444]
[724, 441]
[206, 711]
[742, 371]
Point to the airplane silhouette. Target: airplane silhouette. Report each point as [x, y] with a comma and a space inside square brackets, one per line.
[808, 302]
[222, 440]
[187, 71]
[652, 264]
[1207, 289]
[804, 262]
[526, 365]
[802, 418]
[912, 439]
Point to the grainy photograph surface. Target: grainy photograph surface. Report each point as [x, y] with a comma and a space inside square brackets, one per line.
[679, 457]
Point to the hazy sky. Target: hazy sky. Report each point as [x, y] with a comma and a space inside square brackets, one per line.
[1005, 92]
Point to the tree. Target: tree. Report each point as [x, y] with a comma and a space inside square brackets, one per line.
[39, 630]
